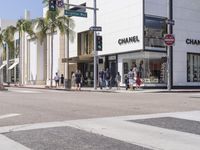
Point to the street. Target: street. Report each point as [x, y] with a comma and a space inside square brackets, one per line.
[53, 119]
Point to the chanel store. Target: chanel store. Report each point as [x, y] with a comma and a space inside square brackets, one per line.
[133, 32]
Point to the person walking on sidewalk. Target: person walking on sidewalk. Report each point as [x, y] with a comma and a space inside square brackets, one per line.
[131, 79]
[57, 78]
[138, 80]
[118, 80]
[62, 80]
[107, 78]
[126, 82]
[78, 80]
[73, 82]
[101, 79]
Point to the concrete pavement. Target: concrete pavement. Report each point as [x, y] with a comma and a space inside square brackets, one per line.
[114, 89]
[37, 118]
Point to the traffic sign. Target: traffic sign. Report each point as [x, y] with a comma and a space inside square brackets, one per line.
[171, 22]
[52, 5]
[97, 28]
[169, 39]
[75, 13]
[99, 43]
[60, 3]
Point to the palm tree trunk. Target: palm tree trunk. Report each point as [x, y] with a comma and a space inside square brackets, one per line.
[51, 76]
[8, 64]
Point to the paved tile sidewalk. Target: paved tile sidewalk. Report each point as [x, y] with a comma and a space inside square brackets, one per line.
[113, 90]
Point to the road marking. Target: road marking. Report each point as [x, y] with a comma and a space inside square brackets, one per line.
[120, 128]
[9, 115]
[8, 144]
[25, 91]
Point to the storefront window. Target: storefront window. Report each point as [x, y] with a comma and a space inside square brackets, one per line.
[151, 66]
[85, 43]
[193, 67]
[155, 28]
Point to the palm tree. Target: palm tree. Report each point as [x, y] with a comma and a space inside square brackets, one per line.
[1, 46]
[50, 24]
[23, 26]
[8, 38]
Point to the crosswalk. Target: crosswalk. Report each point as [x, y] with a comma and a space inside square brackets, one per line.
[8, 116]
[129, 129]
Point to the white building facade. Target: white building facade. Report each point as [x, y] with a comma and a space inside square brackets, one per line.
[132, 33]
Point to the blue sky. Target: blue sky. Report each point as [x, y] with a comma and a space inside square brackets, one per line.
[14, 9]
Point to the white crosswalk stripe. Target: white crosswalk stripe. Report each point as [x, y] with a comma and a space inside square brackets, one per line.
[8, 116]
[25, 91]
[8, 144]
[121, 128]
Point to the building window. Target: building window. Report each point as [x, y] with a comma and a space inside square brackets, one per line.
[151, 66]
[85, 43]
[193, 67]
[155, 28]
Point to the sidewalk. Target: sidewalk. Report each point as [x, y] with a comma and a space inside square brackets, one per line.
[112, 90]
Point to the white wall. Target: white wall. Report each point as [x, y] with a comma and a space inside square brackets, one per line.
[56, 53]
[81, 24]
[121, 20]
[187, 25]
[41, 64]
[118, 20]
[33, 61]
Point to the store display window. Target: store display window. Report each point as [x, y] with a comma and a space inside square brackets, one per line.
[193, 67]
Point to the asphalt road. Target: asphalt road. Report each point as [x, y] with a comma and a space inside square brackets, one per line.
[33, 106]
[36, 106]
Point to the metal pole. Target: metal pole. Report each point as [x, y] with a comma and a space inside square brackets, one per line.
[95, 51]
[169, 48]
[67, 82]
[68, 47]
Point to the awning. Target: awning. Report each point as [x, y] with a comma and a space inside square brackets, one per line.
[13, 65]
[79, 59]
[85, 57]
[3, 65]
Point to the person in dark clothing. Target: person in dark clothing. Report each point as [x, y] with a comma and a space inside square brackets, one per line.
[101, 78]
[107, 78]
[126, 82]
[62, 79]
[78, 80]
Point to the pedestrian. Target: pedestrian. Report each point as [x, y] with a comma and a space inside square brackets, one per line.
[57, 78]
[141, 70]
[135, 70]
[126, 82]
[138, 80]
[78, 80]
[118, 80]
[101, 79]
[73, 80]
[62, 80]
[107, 78]
[131, 79]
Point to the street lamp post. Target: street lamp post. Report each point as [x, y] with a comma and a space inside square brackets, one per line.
[67, 82]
